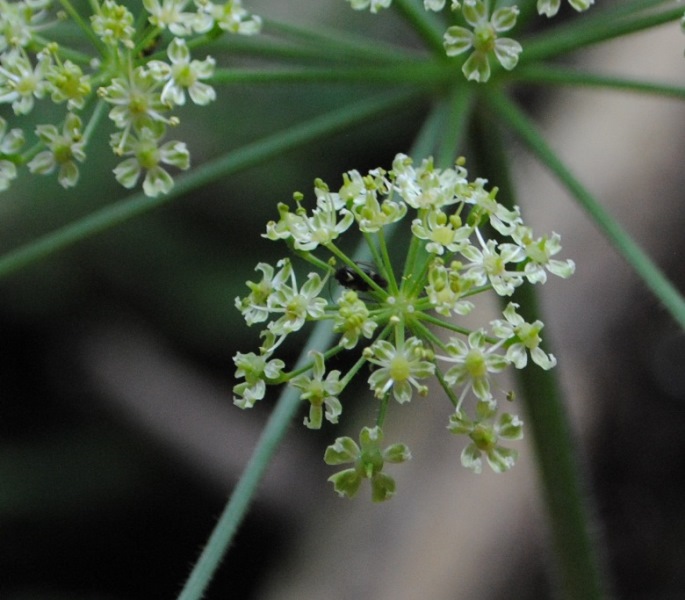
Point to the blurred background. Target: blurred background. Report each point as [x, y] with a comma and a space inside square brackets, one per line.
[119, 441]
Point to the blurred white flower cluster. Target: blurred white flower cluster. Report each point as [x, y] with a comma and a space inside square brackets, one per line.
[140, 65]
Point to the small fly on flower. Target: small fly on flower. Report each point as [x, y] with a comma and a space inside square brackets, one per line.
[351, 279]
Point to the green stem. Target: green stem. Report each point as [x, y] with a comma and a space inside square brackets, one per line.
[407, 73]
[85, 27]
[232, 162]
[633, 254]
[587, 31]
[460, 102]
[237, 506]
[578, 565]
[426, 24]
[558, 75]
[338, 44]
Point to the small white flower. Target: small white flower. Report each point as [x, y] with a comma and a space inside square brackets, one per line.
[522, 338]
[256, 370]
[63, 150]
[352, 320]
[296, 306]
[319, 392]
[10, 143]
[400, 368]
[473, 364]
[374, 5]
[146, 155]
[170, 14]
[113, 24]
[231, 17]
[183, 74]
[483, 39]
[21, 82]
[539, 254]
[441, 233]
[549, 8]
[255, 307]
[489, 264]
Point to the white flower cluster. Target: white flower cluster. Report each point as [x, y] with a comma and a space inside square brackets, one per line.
[450, 260]
[130, 70]
[482, 34]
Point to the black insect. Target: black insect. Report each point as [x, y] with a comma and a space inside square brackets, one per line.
[349, 278]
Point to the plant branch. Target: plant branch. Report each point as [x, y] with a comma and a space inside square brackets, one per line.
[234, 512]
[407, 73]
[591, 30]
[558, 75]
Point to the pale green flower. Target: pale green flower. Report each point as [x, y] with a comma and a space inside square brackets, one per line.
[520, 338]
[64, 149]
[10, 145]
[426, 186]
[550, 8]
[68, 83]
[113, 24]
[362, 195]
[20, 20]
[473, 363]
[489, 265]
[296, 306]
[446, 288]
[373, 5]
[319, 392]
[230, 16]
[146, 155]
[399, 368]
[442, 234]
[485, 436]
[254, 307]
[183, 74]
[20, 81]
[485, 205]
[257, 370]
[352, 320]
[539, 254]
[170, 14]
[483, 39]
[136, 100]
[368, 461]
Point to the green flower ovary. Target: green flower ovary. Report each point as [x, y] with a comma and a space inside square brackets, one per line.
[475, 363]
[484, 37]
[483, 437]
[400, 369]
[147, 153]
[183, 74]
[370, 461]
[527, 333]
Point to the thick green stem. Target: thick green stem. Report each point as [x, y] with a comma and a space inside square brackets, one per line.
[578, 566]
[426, 24]
[557, 75]
[591, 30]
[408, 73]
[237, 506]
